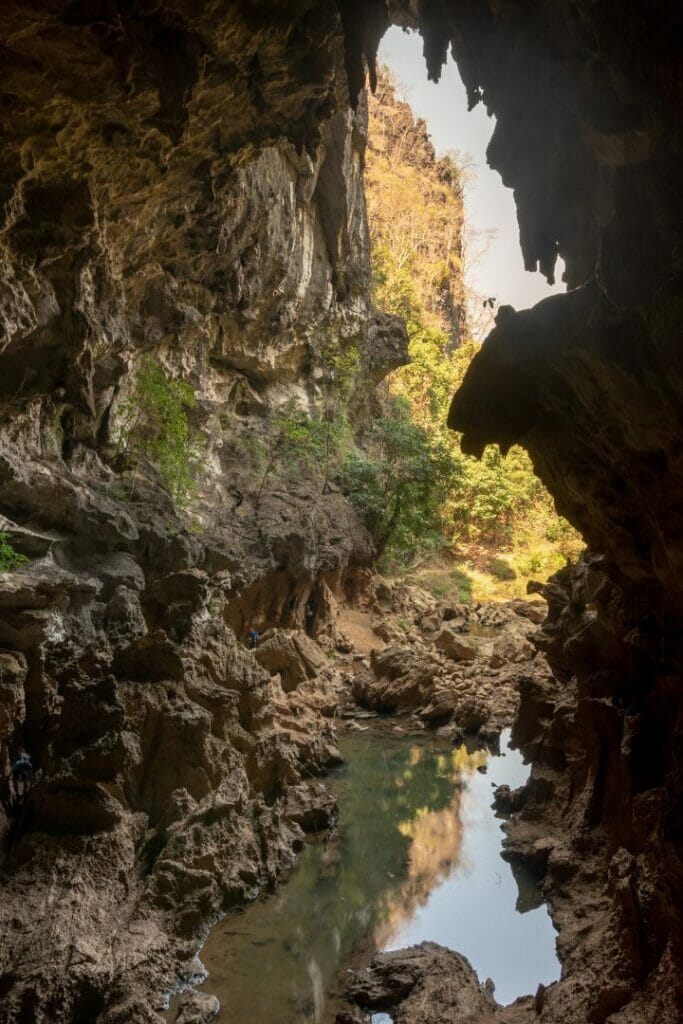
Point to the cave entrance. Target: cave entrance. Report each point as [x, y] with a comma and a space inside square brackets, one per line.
[446, 256]
[493, 262]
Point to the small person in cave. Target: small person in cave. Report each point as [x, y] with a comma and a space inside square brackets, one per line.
[253, 638]
[21, 775]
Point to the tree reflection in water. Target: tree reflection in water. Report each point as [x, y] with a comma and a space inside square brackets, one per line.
[399, 835]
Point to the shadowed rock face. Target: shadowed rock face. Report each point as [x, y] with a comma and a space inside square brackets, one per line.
[588, 134]
[588, 102]
[185, 179]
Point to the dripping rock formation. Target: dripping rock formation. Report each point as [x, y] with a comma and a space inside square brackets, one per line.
[184, 182]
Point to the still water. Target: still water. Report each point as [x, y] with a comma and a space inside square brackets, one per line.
[416, 856]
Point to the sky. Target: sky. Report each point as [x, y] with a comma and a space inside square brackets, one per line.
[496, 267]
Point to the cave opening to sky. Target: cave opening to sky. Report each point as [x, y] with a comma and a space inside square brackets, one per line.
[494, 265]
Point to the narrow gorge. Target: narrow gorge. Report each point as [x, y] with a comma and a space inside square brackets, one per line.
[200, 357]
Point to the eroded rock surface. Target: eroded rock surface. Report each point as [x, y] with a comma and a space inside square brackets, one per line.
[455, 666]
[601, 803]
[183, 183]
[185, 180]
[425, 983]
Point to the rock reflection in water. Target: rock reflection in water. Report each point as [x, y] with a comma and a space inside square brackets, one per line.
[435, 839]
[399, 837]
[474, 908]
[398, 834]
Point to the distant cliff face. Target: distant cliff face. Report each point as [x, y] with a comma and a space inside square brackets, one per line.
[415, 208]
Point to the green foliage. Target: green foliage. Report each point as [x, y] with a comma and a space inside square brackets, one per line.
[340, 367]
[531, 562]
[416, 222]
[399, 483]
[438, 585]
[463, 582]
[296, 439]
[157, 426]
[493, 498]
[9, 558]
[501, 569]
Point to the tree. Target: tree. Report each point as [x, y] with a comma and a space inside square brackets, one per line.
[419, 263]
[398, 484]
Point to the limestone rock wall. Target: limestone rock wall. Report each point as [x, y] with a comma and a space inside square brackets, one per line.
[183, 180]
[180, 181]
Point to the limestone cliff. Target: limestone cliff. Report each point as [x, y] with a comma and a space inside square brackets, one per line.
[415, 210]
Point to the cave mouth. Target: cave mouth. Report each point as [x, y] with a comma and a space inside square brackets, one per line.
[185, 270]
[437, 267]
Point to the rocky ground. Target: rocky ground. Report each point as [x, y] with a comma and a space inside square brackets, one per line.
[313, 686]
[453, 667]
[172, 792]
[571, 826]
[172, 768]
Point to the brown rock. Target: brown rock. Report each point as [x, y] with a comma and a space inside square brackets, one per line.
[453, 646]
[425, 984]
[291, 653]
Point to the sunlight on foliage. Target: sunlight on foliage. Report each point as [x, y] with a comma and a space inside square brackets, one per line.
[399, 484]
[496, 503]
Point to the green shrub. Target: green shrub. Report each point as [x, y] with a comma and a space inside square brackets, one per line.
[292, 439]
[9, 558]
[530, 562]
[559, 530]
[157, 426]
[464, 584]
[501, 569]
[438, 585]
[398, 484]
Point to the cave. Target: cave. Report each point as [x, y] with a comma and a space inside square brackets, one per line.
[182, 186]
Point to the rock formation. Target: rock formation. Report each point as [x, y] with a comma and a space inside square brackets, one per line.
[185, 186]
[185, 181]
[455, 667]
[588, 135]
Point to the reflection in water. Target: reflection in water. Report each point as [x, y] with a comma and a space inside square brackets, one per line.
[435, 838]
[402, 837]
[474, 909]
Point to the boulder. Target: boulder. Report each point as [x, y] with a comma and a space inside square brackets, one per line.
[312, 807]
[534, 611]
[426, 984]
[453, 646]
[197, 1008]
[510, 649]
